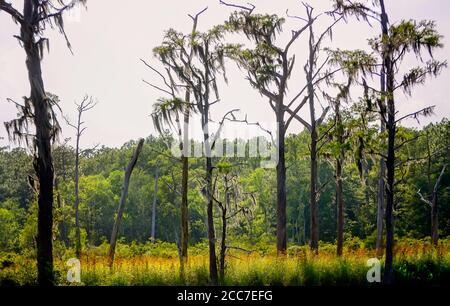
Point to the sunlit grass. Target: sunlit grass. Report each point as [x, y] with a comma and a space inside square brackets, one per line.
[416, 262]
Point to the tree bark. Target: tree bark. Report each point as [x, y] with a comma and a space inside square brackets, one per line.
[281, 189]
[123, 197]
[223, 247]
[314, 243]
[184, 209]
[380, 206]
[209, 198]
[210, 216]
[382, 173]
[434, 221]
[77, 197]
[184, 185]
[43, 161]
[390, 161]
[340, 206]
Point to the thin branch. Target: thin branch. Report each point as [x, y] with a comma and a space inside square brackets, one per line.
[195, 18]
[415, 115]
[9, 9]
[438, 181]
[407, 141]
[249, 9]
[157, 87]
[422, 198]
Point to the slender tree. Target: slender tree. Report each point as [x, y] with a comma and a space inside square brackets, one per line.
[86, 104]
[344, 126]
[38, 111]
[228, 197]
[123, 198]
[164, 113]
[433, 203]
[319, 73]
[269, 68]
[200, 77]
[395, 42]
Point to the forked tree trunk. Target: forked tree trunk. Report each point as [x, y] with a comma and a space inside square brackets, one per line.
[434, 206]
[128, 171]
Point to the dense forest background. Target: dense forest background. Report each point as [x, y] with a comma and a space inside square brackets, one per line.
[101, 179]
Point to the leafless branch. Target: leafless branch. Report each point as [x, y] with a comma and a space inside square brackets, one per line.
[248, 8]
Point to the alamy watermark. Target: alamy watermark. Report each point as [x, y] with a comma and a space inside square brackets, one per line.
[374, 273]
[259, 141]
[74, 272]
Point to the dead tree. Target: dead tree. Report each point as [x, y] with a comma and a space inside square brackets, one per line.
[123, 197]
[433, 203]
[86, 104]
[317, 74]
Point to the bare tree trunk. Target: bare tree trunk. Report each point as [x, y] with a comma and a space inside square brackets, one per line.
[210, 216]
[382, 173]
[390, 165]
[380, 207]
[209, 198]
[155, 196]
[314, 223]
[123, 197]
[434, 221]
[340, 206]
[314, 243]
[184, 209]
[43, 161]
[184, 185]
[77, 196]
[390, 161]
[434, 208]
[281, 189]
[223, 247]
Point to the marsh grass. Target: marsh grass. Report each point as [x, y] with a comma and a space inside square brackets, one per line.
[416, 262]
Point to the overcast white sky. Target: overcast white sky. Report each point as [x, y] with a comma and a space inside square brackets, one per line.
[112, 35]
